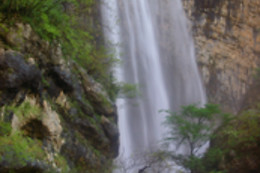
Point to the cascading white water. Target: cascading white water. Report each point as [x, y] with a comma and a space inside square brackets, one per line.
[157, 53]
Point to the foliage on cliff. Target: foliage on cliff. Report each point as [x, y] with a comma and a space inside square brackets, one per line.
[193, 126]
[56, 88]
[69, 23]
[234, 141]
[240, 143]
[235, 148]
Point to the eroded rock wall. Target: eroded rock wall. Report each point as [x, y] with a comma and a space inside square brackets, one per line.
[53, 105]
[227, 41]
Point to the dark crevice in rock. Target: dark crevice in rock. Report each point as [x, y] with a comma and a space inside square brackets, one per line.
[62, 78]
[8, 95]
[35, 129]
[53, 90]
[213, 10]
[16, 75]
[30, 167]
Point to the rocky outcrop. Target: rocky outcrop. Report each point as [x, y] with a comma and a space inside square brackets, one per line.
[52, 105]
[227, 46]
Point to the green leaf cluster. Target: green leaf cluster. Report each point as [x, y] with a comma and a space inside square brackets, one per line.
[40, 14]
[128, 90]
[193, 126]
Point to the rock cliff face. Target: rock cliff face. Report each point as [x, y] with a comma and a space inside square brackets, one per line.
[227, 40]
[227, 45]
[60, 119]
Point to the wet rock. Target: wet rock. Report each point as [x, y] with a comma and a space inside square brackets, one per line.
[96, 94]
[62, 78]
[15, 72]
[78, 154]
[92, 133]
[8, 95]
[111, 131]
[52, 89]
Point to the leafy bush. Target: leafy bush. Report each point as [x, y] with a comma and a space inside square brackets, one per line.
[240, 140]
[192, 127]
[212, 160]
[236, 145]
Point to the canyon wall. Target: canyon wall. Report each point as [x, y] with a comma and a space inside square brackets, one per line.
[227, 39]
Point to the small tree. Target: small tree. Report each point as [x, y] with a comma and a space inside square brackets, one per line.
[191, 128]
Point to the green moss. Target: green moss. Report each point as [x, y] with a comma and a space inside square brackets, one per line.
[25, 110]
[16, 150]
[5, 129]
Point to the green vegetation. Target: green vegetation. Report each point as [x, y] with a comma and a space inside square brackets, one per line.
[69, 23]
[25, 110]
[40, 14]
[246, 131]
[17, 154]
[234, 142]
[5, 128]
[128, 90]
[239, 141]
[192, 127]
[16, 151]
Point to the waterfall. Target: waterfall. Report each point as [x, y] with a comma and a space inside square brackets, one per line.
[155, 46]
